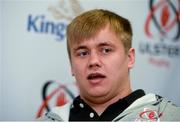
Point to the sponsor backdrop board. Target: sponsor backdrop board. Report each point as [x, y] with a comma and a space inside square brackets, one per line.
[0, 59]
[34, 67]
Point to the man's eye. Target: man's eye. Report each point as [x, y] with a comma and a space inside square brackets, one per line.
[106, 50]
[82, 53]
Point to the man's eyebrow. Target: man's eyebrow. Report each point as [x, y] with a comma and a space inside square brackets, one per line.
[105, 44]
[80, 47]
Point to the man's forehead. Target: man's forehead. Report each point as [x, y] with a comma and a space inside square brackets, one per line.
[92, 39]
[92, 43]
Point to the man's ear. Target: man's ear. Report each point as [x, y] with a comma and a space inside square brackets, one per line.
[131, 58]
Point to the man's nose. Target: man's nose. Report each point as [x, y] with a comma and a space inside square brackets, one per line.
[94, 61]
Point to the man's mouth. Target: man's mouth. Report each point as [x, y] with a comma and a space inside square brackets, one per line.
[95, 76]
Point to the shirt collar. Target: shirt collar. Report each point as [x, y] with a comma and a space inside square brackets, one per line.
[82, 111]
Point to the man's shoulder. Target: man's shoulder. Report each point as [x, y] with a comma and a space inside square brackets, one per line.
[155, 100]
[151, 106]
[58, 113]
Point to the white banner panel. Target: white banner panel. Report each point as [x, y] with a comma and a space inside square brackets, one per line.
[36, 70]
[157, 43]
[1, 59]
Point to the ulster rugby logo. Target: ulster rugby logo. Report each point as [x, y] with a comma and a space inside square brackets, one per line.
[162, 33]
[163, 19]
[149, 115]
[56, 94]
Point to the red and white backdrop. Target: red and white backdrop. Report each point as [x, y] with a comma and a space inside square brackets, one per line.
[34, 66]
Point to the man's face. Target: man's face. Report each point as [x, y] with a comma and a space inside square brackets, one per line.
[101, 66]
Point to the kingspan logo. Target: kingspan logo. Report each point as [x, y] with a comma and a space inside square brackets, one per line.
[40, 25]
[62, 13]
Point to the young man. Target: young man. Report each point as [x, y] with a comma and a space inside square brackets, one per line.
[99, 47]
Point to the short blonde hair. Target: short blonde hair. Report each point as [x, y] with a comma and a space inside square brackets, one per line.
[88, 24]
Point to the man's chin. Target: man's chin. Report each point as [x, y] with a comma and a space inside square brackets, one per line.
[97, 94]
